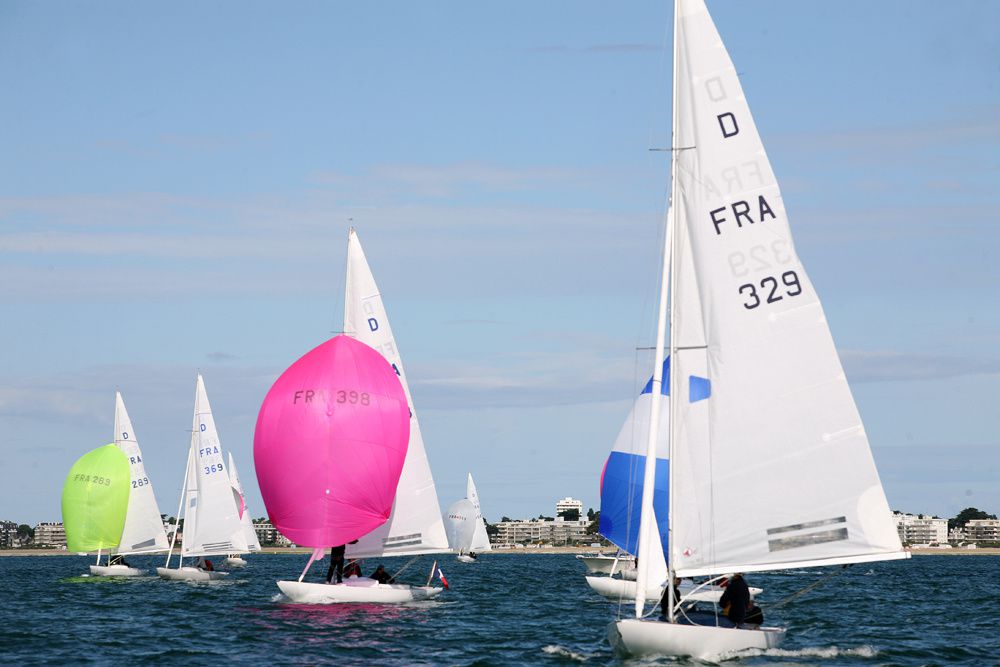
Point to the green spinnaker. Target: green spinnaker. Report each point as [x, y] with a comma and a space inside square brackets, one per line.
[95, 500]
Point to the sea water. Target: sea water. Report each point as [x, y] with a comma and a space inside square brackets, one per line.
[506, 609]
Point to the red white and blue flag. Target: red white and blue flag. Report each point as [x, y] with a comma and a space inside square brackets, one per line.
[444, 581]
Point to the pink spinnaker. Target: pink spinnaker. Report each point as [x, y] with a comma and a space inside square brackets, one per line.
[330, 442]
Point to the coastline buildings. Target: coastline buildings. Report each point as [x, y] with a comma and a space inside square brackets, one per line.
[921, 529]
[269, 535]
[8, 535]
[982, 530]
[50, 534]
[568, 504]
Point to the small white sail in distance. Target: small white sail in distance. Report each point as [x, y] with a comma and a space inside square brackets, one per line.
[253, 544]
[143, 532]
[211, 517]
[481, 539]
[415, 525]
[460, 525]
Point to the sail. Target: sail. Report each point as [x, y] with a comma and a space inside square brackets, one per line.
[143, 524]
[481, 538]
[772, 469]
[253, 544]
[622, 477]
[95, 500]
[329, 444]
[211, 516]
[460, 525]
[415, 525]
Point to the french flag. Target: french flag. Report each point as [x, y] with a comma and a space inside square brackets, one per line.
[444, 581]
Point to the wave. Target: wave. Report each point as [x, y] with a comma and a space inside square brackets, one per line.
[564, 652]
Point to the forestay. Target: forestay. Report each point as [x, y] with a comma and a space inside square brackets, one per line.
[253, 544]
[481, 539]
[773, 469]
[415, 525]
[143, 531]
[211, 517]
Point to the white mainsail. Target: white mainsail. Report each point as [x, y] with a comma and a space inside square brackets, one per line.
[415, 525]
[460, 525]
[774, 469]
[143, 532]
[253, 544]
[481, 539]
[211, 516]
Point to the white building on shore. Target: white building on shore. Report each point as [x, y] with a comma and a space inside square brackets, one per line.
[921, 528]
[567, 504]
[556, 531]
[50, 534]
[982, 530]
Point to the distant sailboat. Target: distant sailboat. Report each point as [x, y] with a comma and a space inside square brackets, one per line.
[344, 408]
[759, 400]
[95, 501]
[143, 532]
[253, 544]
[460, 527]
[481, 539]
[212, 525]
[465, 526]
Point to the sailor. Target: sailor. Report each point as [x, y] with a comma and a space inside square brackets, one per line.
[336, 563]
[353, 569]
[205, 565]
[381, 576]
[665, 598]
[735, 600]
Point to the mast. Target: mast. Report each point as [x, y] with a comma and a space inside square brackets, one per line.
[180, 506]
[673, 384]
[646, 530]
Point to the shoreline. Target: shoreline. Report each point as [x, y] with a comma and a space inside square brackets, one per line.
[985, 551]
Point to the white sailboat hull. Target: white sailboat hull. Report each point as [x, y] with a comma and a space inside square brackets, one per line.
[606, 564]
[115, 571]
[189, 574]
[646, 637]
[234, 561]
[360, 591]
[466, 559]
[621, 589]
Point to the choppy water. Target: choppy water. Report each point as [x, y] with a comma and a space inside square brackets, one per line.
[507, 609]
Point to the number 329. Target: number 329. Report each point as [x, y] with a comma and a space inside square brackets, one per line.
[769, 290]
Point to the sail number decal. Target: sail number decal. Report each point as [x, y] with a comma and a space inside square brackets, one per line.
[136, 483]
[215, 467]
[353, 397]
[81, 477]
[770, 290]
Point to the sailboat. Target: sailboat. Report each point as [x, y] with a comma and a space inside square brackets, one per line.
[460, 527]
[143, 532]
[212, 525]
[95, 500]
[759, 400]
[375, 510]
[481, 538]
[621, 495]
[253, 544]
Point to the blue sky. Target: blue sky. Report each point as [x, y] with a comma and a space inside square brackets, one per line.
[176, 185]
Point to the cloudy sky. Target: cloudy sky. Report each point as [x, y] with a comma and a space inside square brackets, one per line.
[177, 182]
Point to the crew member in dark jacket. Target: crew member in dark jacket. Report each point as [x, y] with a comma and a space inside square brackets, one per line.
[336, 563]
[665, 598]
[381, 576]
[735, 599]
